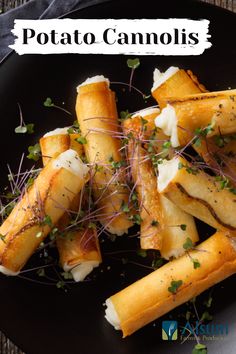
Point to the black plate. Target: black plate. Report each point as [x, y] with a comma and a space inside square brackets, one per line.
[41, 319]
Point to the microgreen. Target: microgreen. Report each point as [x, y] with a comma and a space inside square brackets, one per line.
[67, 275]
[142, 253]
[34, 152]
[81, 140]
[46, 221]
[136, 218]
[41, 272]
[133, 64]
[154, 223]
[206, 316]
[183, 227]
[125, 207]
[116, 164]
[196, 263]
[49, 103]
[125, 115]
[24, 128]
[199, 349]
[157, 263]
[174, 286]
[188, 244]
[75, 128]
[2, 238]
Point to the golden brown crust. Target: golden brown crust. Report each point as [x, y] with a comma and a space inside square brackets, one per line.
[74, 246]
[217, 258]
[97, 116]
[201, 195]
[180, 84]
[51, 193]
[201, 110]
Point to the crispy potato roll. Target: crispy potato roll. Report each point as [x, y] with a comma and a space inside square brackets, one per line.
[161, 219]
[97, 116]
[79, 250]
[57, 141]
[197, 193]
[219, 152]
[174, 82]
[214, 111]
[151, 297]
[51, 194]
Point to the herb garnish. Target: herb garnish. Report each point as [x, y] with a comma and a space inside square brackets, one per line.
[174, 286]
[49, 103]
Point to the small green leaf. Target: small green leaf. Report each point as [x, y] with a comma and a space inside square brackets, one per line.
[206, 317]
[199, 349]
[154, 223]
[208, 303]
[60, 284]
[47, 220]
[125, 115]
[41, 272]
[174, 286]
[125, 207]
[48, 102]
[21, 129]
[81, 140]
[133, 63]
[180, 165]
[157, 263]
[166, 145]
[196, 263]
[2, 238]
[67, 275]
[188, 244]
[34, 152]
[30, 128]
[183, 227]
[92, 225]
[136, 218]
[142, 253]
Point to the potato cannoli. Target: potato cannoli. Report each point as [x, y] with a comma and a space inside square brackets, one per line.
[97, 116]
[174, 82]
[173, 284]
[198, 193]
[161, 219]
[207, 114]
[51, 194]
[79, 250]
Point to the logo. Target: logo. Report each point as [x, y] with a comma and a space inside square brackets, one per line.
[169, 330]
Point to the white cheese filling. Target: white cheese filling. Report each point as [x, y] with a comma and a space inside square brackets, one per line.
[146, 112]
[81, 271]
[167, 121]
[166, 172]
[159, 78]
[57, 131]
[111, 314]
[93, 80]
[71, 161]
[7, 271]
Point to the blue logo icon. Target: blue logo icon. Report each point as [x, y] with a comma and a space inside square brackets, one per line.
[169, 330]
